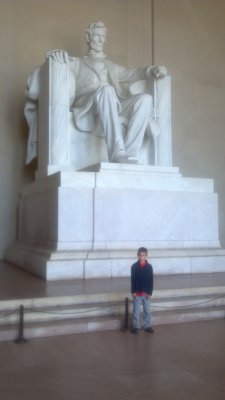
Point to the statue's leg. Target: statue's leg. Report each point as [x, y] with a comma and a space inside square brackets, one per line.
[137, 108]
[106, 106]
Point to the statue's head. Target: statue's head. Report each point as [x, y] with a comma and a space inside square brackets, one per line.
[95, 36]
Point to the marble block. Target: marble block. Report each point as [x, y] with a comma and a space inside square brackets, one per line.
[79, 224]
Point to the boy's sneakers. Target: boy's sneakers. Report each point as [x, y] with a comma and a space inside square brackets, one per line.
[149, 330]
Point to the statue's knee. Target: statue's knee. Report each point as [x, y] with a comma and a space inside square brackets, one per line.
[108, 90]
[146, 101]
[147, 98]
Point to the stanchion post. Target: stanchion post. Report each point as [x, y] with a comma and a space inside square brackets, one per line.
[21, 338]
[126, 315]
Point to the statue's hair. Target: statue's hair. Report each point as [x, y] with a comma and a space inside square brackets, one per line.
[91, 29]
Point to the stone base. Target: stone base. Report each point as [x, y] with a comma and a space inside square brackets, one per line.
[89, 224]
[61, 265]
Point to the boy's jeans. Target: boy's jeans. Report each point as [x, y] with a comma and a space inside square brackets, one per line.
[137, 301]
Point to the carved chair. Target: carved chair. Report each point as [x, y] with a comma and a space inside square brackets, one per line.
[60, 145]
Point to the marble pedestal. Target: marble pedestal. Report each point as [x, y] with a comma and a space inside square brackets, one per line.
[89, 224]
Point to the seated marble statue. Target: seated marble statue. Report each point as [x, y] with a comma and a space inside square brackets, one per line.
[104, 92]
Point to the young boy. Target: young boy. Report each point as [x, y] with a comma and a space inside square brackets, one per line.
[141, 290]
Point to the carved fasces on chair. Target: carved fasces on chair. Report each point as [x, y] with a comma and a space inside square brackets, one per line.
[56, 88]
[163, 118]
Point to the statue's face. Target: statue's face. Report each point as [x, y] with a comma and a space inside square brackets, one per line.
[97, 40]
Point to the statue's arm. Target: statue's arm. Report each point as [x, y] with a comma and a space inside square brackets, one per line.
[135, 74]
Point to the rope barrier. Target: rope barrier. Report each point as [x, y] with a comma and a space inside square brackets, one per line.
[188, 305]
[112, 304]
[7, 313]
[75, 312]
[21, 338]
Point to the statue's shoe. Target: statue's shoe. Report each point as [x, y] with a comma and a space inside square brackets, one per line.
[125, 160]
[132, 160]
[122, 158]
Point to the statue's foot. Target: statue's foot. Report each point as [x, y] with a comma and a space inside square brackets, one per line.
[132, 160]
[125, 160]
[120, 157]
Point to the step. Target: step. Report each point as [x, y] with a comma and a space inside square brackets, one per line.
[7, 305]
[56, 328]
[62, 313]
[42, 311]
[92, 324]
[106, 311]
[182, 316]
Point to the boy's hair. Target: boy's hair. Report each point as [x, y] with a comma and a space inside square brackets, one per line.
[142, 250]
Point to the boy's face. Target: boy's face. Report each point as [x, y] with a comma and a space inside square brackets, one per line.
[142, 256]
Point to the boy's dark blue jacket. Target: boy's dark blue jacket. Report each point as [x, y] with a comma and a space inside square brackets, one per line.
[142, 278]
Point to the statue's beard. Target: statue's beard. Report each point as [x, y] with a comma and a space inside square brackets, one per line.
[94, 53]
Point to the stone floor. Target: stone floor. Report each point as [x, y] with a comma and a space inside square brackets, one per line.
[184, 362]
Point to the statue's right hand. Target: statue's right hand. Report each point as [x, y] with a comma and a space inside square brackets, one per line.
[60, 56]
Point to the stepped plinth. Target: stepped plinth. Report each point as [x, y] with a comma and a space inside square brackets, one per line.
[90, 223]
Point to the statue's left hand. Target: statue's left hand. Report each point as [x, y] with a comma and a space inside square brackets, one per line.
[60, 56]
[157, 72]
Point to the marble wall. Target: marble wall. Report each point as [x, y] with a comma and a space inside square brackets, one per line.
[185, 35]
